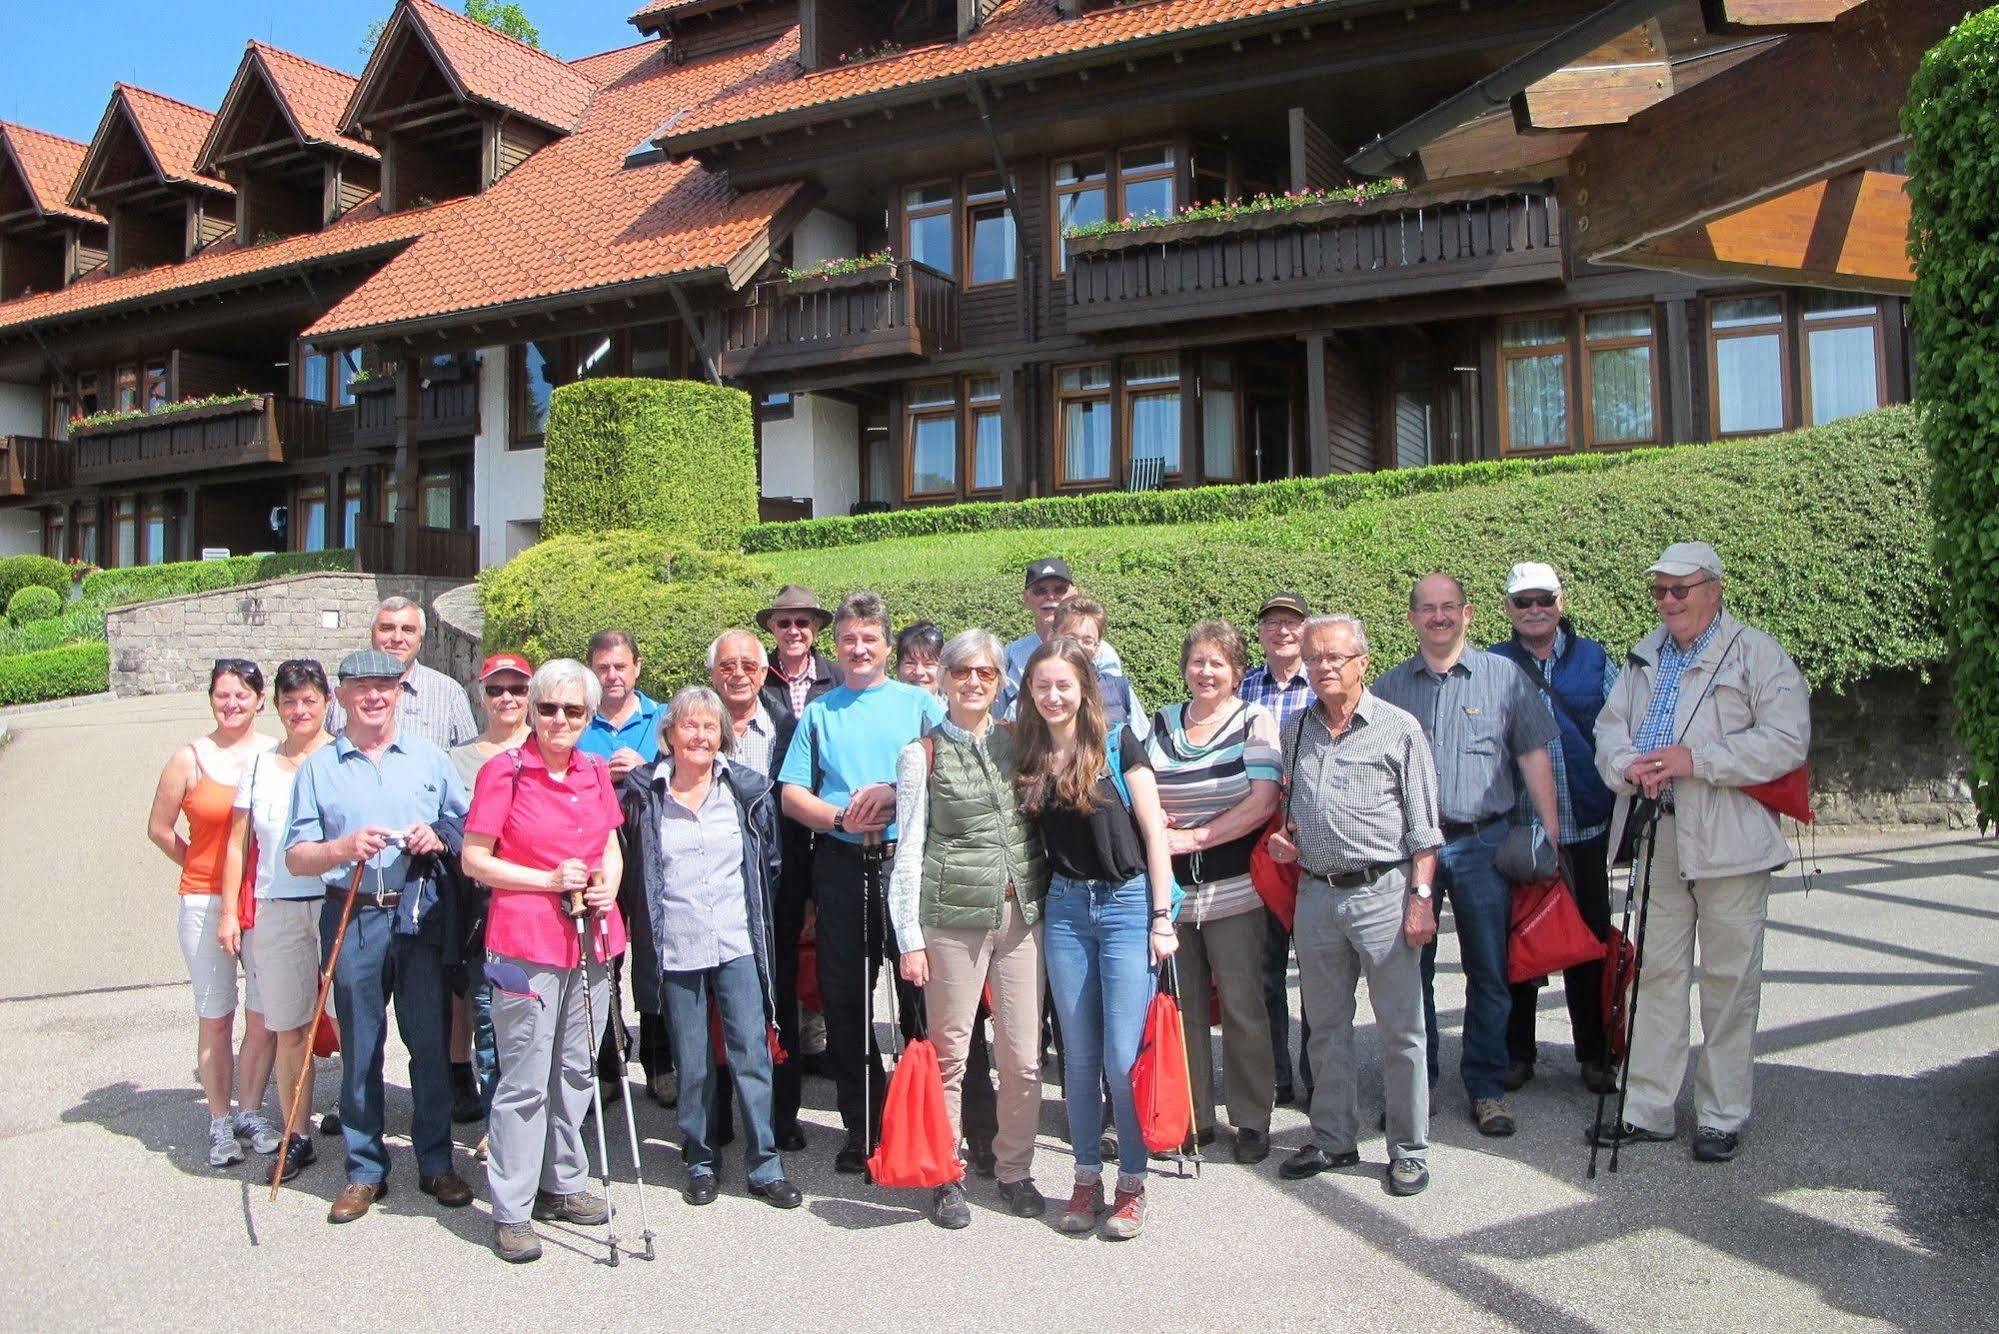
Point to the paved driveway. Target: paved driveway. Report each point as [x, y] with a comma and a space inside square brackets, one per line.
[1865, 1194]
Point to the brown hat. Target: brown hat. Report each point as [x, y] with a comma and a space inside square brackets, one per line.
[795, 597]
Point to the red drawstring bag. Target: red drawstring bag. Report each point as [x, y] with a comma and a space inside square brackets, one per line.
[1790, 794]
[917, 1146]
[1620, 975]
[1159, 1081]
[1549, 935]
[1276, 882]
[326, 1037]
[809, 994]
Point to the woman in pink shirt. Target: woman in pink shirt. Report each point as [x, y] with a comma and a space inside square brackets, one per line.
[542, 831]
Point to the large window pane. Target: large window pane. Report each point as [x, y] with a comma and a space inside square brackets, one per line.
[436, 494]
[1149, 198]
[1537, 401]
[597, 356]
[1845, 376]
[312, 522]
[1413, 412]
[1155, 427]
[1620, 382]
[1218, 432]
[930, 242]
[538, 369]
[988, 457]
[992, 244]
[1749, 381]
[933, 455]
[1086, 440]
[317, 383]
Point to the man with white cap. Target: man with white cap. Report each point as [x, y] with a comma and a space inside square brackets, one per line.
[1575, 675]
[1706, 707]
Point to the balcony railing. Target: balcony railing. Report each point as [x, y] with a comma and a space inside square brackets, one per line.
[447, 409]
[451, 553]
[902, 309]
[30, 465]
[262, 428]
[1322, 255]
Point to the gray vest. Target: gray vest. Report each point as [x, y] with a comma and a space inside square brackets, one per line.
[978, 840]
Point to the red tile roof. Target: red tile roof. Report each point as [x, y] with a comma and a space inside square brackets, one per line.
[173, 133]
[488, 66]
[662, 10]
[48, 164]
[1019, 35]
[572, 217]
[313, 94]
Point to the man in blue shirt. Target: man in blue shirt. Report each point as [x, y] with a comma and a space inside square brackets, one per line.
[375, 797]
[838, 779]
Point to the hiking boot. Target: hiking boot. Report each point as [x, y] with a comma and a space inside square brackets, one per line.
[1610, 1136]
[1407, 1176]
[582, 1208]
[1517, 1075]
[223, 1149]
[516, 1243]
[948, 1208]
[1127, 1218]
[1023, 1198]
[298, 1156]
[466, 1105]
[1715, 1146]
[255, 1127]
[1086, 1202]
[1494, 1121]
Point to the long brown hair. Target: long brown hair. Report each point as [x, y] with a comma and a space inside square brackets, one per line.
[1039, 781]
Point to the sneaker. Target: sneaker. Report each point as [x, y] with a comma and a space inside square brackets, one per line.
[1086, 1201]
[582, 1208]
[516, 1243]
[948, 1208]
[257, 1128]
[1407, 1176]
[299, 1156]
[222, 1146]
[1127, 1218]
[1493, 1119]
[1715, 1146]
[1610, 1136]
[1023, 1198]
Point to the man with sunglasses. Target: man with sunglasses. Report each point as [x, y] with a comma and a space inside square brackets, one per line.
[1575, 675]
[1706, 707]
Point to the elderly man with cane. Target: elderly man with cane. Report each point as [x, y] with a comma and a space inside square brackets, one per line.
[375, 797]
[1706, 708]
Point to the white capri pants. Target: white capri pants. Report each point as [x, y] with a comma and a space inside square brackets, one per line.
[210, 967]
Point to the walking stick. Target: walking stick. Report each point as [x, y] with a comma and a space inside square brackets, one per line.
[576, 911]
[1649, 833]
[631, 1125]
[1193, 1121]
[318, 1009]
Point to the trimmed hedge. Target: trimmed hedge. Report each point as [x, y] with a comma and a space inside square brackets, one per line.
[669, 456]
[77, 621]
[1207, 504]
[56, 673]
[1952, 119]
[19, 572]
[34, 603]
[145, 583]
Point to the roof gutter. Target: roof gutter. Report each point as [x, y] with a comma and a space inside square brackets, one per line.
[1496, 89]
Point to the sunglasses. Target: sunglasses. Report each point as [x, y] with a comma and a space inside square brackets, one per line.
[794, 623]
[575, 713]
[1676, 592]
[495, 691]
[1525, 600]
[234, 666]
[985, 674]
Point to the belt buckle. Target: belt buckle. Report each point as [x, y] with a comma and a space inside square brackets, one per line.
[388, 898]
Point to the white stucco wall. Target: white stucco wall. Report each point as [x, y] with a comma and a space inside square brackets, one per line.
[816, 454]
[20, 532]
[20, 414]
[821, 237]
[506, 483]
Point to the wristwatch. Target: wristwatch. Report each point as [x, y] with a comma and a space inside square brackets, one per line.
[840, 820]
[1421, 891]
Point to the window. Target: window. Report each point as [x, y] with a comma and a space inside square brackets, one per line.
[775, 406]
[89, 399]
[930, 427]
[154, 385]
[86, 532]
[1415, 414]
[1534, 380]
[1842, 355]
[154, 531]
[1218, 420]
[876, 487]
[309, 529]
[1083, 423]
[536, 366]
[985, 433]
[1145, 181]
[350, 511]
[127, 395]
[125, 532]
[655, 352]
[435, 497]
[599, 356]
[1152, 409]
[989, 238]
[59, 413]
[1746, 336]
[55, 535]
[1080, 188]
[927, 212]
[1618, 377]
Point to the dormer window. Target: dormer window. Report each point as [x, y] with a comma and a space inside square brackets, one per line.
[45, 242]
[141, 174]
[698, 29]
[277, 141]
[832, 33]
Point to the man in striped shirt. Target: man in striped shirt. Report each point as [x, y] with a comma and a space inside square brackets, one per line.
[429, 704]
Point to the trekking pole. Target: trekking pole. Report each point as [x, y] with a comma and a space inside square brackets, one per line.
[318, 1010]
[574, 902]
[631, 1124]
[871, 860]
[1638, 885]
[1193, 1121]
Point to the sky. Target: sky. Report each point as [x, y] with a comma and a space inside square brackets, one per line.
[64, 55]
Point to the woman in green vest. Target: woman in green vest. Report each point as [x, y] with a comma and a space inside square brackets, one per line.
[965, 900]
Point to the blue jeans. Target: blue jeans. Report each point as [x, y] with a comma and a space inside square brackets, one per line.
[375, 966]
[1482, 907]
[738, 995]
[1100, 975]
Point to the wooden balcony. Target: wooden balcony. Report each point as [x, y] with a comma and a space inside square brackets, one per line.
[1325, 254]
[262, 428]
[30, 465]
[903, 309]
[451, 553]
[447, 409]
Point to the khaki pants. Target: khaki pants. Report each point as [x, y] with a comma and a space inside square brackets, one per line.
[962, 959]
[1725, 917]
[1230, 952]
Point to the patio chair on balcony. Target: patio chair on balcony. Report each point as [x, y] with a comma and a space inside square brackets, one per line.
[1147, 474]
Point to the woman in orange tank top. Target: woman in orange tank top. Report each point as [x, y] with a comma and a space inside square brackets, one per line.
[198, 785]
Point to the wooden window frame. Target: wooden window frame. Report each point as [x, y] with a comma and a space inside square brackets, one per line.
[1786, 360]
[124, 378]
[620, 355]
[82, 522]
[1170, 173]
[89, 384]
[912, 413]
[1107, 183]
[1123, 430]
[306, 493]
[973, 409]
[1233, 383]
[437, 477]
[1567, 348]
[150, 374]
[151, 508]
[55, 533]
[1586, 424]
[950, 210]
[1807, 326]
[353, 485]
[1063, 397]
[970, 206]
[517, 385]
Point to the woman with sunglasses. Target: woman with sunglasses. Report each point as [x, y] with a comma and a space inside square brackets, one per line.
[199, 785]
[965, 900]
[542, 834]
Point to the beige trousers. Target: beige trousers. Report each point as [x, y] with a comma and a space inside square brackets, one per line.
[962, 960]
[1724, 917]
[1229, 951]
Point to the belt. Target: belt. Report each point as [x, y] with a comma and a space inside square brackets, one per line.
[1454, 830]
[1367, 875]
[388, 898]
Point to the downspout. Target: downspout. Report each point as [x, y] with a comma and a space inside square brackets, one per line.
[1029, 323]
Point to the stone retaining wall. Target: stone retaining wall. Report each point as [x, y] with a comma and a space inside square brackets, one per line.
[170, 645]
[1884, 755]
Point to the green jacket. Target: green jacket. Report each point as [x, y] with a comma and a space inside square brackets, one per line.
[971, 840]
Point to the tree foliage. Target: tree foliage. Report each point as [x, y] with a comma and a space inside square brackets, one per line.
[506, 17]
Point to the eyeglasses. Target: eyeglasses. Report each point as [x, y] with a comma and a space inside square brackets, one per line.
[1525, 600]
[794, 623]
[1676, 592]
[1434, 608]
[986, 674]
[494, 691]
[575, 713]
[739, 666]
[1337, 661]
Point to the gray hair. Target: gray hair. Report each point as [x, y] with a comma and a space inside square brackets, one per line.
[556, 673]
[400, 603]
[1353, 625]
[715, 645]
[697, 699]
[968, 646]
[863, 607]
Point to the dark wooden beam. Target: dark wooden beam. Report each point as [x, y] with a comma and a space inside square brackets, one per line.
[1608, 86]
[1761, 15]
[1491, 147]
[1851, 231]
[380, 114]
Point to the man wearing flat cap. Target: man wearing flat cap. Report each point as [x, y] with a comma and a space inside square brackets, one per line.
[375, 798]
[1706, 706]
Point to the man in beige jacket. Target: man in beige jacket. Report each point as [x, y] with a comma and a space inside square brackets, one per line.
[1705, 707]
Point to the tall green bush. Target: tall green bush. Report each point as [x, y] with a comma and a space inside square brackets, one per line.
[667, 456]
[34, 603]
[56, 673]
[144, 583]
[19, 572]
[1952, 119]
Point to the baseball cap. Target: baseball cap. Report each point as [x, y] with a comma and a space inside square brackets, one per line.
[369, 664]
[1685, 558]
[1051, 567]
[1291, 602]
[1532, 574]
[505, 662]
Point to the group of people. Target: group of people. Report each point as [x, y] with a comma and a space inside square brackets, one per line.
[1007, 826]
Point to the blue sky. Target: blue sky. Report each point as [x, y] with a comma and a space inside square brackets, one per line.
[64, 55]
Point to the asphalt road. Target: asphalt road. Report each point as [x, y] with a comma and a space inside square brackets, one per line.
[1865, 1193]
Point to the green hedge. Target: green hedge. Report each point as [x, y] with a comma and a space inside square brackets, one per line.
[56, 673]
[34, 603]
[77, 621]
[145, 583]
[1207, 504]
[1952, 119]
[669, 456]
[19, 572]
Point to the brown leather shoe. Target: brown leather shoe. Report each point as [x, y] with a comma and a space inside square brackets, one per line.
[352, 1202]
[448, 1189]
